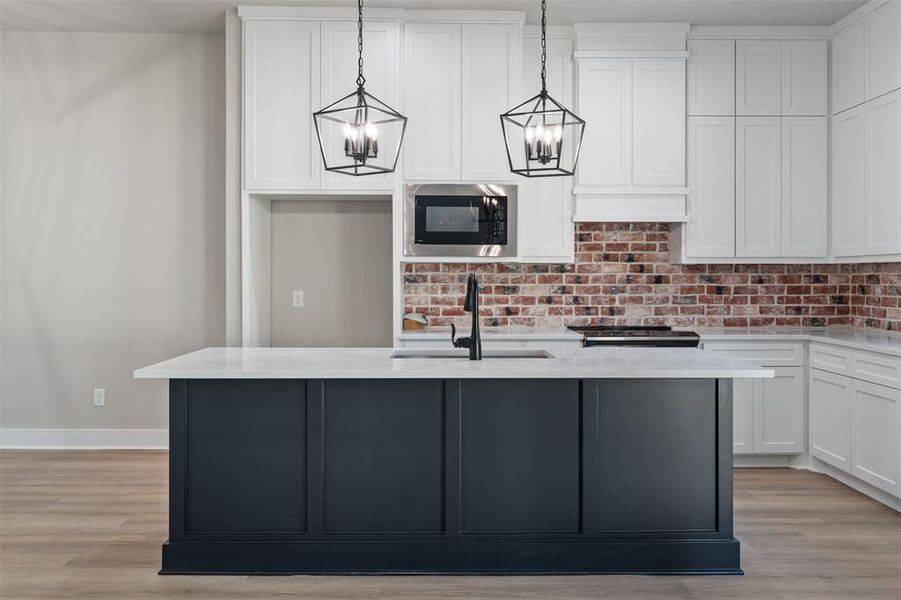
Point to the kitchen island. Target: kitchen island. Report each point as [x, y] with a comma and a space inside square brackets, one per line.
[303, 460]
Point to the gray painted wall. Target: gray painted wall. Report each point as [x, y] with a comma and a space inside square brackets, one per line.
[339, 253]
[112, 220]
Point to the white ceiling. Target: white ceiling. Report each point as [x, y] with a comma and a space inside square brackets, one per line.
[206, 15]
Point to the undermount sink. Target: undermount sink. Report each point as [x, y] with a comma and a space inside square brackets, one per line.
[463, 353]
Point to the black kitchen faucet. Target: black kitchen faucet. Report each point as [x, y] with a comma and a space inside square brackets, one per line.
[470, 304]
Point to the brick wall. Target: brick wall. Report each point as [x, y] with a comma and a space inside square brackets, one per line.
[622, 276]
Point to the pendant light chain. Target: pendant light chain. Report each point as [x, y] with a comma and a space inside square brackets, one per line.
[543, 47]
[360, 79]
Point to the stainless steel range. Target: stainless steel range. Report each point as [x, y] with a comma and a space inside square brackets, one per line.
[638, 335]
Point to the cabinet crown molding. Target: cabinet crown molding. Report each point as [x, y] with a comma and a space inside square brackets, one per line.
[857, 15]
[725, 32]
[381, 14]
[631, 36]
[674, 54]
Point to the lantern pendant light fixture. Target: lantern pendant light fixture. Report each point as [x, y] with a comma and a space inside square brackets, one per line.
[359, 134]
[543, 138]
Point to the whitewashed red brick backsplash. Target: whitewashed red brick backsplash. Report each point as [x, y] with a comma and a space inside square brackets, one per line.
[622, 276]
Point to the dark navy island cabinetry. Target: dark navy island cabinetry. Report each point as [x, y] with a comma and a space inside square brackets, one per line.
[450, 475]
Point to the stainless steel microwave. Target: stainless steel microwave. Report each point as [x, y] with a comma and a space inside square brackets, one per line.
[459, 220]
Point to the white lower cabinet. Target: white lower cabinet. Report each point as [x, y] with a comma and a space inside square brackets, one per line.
[767, 414]
[743, 416]
[855, 425]
[779, 413]
[876, 419]
[830, 418]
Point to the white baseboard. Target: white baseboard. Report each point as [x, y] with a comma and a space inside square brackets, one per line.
[805, 462]
[818, 466]
[84, 439]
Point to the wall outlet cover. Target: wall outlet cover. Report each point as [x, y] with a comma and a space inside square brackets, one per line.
[99, 397]
[297, 298]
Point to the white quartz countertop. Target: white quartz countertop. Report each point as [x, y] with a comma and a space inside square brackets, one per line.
[376, 363]
[873, 340]
[496, 333]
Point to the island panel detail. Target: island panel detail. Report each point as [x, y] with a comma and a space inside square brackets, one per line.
[450, 476]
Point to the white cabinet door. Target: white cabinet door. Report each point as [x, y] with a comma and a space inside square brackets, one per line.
[848, 214]
[830, 418]
[605, 103]
[877, 421]
[546, 220]
[847, 68]
[711, 77]
[804, 87]
[546, 203]
[432, 80]
[743, 415]
[758, 77]
[882, 174]
[491, 85]
[711, 187]
[281, 92]
[804, 193]
[883, 50]
[339, 72]
[758, 186]
[658, 122]
[779, 413]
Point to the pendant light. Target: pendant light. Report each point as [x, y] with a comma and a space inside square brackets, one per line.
[543, 138]
[359, 134]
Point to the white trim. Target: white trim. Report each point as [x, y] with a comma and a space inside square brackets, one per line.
[674, 54]
[466, 16]
[84, 439]
[601, 217]
[817, 466]
[308, 13]
[602, 191]
[728, 32]
[592, 28]
[857, 15]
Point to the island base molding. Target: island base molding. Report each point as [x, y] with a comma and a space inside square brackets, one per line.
[709, 557]
[288, 476]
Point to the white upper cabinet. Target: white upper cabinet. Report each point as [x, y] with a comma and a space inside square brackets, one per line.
[432, 98]
[491, 85]
[339, 72]
[546, 203]
[882, 174]
[804, 85]
[866, 178]
[711, 187]
[658, 122]
[847, 68]
[804, 186]
[848, 215]
[605, 103]
[758, 186]
[281, 92]
[883, 50]
[711, 77]
[758, 73]
[781, 77]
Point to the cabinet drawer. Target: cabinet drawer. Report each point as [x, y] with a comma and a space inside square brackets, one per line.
[830, 358]
[876, 368]
[765, 354]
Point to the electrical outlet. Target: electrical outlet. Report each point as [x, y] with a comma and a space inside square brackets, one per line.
[99, 397]
[297, 298]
